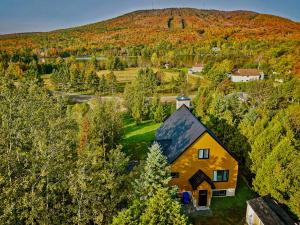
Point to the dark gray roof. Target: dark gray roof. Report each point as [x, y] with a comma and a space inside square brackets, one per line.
[198, 178]
[182, 98]
[269, 212]
[180, 131]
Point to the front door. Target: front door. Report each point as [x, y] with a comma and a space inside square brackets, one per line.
[202, 198]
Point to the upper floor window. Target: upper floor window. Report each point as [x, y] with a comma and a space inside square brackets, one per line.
[174, 174]
[203, 153]
[221, 175]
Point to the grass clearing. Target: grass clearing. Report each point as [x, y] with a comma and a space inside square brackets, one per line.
[228, 210]
[137, 138]
[127, 75]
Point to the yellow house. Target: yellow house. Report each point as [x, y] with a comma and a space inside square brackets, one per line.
[200, 164]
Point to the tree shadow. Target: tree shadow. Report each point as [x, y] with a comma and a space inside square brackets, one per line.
[136, 146]
[232, 139]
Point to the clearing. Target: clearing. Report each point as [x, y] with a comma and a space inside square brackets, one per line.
[137, 138]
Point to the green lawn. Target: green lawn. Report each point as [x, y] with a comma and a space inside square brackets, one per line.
[137, 138]
[228, 210]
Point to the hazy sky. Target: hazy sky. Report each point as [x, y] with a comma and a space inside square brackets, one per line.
[46, 15]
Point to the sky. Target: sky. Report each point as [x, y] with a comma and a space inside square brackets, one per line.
[18, 16]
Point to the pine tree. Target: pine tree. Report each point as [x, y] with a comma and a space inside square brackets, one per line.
[159, 114]
[155, 174]
[161, 209]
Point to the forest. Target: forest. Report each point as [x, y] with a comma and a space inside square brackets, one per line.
[65, 162]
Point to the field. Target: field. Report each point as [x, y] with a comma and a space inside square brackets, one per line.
[129, 74]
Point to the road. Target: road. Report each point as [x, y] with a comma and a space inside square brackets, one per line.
[80, 98]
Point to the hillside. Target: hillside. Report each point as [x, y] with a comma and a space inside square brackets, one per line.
[175, 25]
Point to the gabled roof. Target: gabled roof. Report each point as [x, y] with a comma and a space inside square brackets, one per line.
[198, 65]
[246, 72]
[198, 178]
[269, 212]
[179, 132]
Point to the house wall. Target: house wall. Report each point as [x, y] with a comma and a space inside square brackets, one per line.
[197, 69]
[244, 78]
[219, 159]
[251, 217]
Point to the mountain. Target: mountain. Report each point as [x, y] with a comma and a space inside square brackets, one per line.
[175, 25]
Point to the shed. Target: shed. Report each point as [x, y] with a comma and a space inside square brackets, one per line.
[266, 211]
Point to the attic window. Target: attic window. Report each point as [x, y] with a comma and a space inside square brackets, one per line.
[174, 174]
[203, 153]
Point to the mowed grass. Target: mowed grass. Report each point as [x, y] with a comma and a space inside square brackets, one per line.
[228, 210]
[138, 138]
[129, 74]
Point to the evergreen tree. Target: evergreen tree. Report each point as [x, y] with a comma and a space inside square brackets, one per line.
[112, 82]
[159, 114]
[279, 175]
[155, 174]
[94, 82]
[265, 142]
[161, 209]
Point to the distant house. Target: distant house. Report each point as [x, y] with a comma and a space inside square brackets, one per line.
[201, 166]
[245, 75]
[266, 211]
[197, 68]
[215, 49]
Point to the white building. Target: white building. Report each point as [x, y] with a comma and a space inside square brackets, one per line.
[197, 68]
[245, 75]
[266, 211]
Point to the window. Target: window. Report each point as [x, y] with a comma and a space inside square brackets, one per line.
[203, 153]
[219, 192]
[174, 174]
[221, 175]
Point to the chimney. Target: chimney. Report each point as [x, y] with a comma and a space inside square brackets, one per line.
[183, 100]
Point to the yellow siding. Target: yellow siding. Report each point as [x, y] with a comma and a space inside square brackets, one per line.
[219, 159]
[203, 186]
